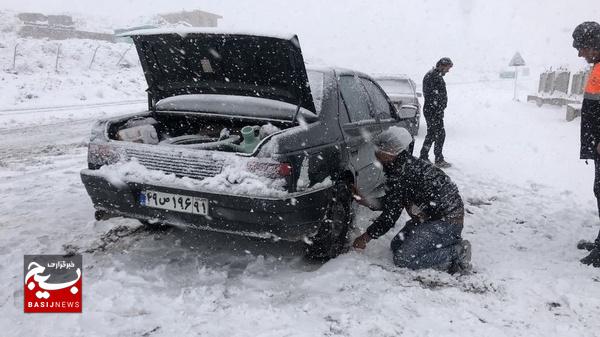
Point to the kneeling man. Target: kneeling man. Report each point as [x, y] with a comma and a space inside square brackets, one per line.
[432, 238]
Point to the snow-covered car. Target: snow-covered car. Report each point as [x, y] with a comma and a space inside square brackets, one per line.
[240, 137]
[403, 91]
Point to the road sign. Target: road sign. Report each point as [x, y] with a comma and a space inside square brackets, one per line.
[517, 60]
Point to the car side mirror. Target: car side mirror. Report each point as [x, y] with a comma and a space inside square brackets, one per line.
[407, 111]
[419, 94]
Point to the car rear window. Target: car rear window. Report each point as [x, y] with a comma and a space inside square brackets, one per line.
[396, 86]
[356, 98]
[380, 102]
[315, 80]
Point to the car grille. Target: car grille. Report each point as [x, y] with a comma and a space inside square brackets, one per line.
[177, 163]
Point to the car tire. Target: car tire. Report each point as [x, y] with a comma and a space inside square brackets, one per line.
[332, 237]
[414, 127]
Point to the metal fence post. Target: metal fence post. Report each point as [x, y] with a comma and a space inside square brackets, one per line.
[15, 57]
[93, 57]
[57, 56]
[516, 76]
[123, 55]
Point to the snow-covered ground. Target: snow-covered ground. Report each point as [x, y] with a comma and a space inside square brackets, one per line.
[529, 200]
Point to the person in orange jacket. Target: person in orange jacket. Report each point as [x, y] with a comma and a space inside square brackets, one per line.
[586, 39]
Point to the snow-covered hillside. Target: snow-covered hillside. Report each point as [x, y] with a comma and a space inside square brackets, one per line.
[34, 78]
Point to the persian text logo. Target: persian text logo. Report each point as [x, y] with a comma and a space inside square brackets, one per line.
[52, 283]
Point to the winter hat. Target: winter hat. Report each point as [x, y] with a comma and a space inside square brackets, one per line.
[444, 61]
[587, 35]
[393, 140]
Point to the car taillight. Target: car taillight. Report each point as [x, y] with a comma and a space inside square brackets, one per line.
[102, 154]
[285, 169]
[270, 169]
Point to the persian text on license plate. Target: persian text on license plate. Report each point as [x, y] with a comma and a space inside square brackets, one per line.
[174, 202]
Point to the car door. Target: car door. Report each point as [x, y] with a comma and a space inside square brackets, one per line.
[383, 106]
[386, 116]
[362, 126]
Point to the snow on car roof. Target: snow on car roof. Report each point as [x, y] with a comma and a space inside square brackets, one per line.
[346, 71]
[390, 76]
[183, 31]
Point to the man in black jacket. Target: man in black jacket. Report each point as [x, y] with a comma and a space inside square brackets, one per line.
[586, 39]
[436, 99]
[432, 238]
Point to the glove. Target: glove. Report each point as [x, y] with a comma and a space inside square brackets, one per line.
[361, 241]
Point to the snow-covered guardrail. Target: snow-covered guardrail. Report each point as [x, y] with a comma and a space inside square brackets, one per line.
[560, 88]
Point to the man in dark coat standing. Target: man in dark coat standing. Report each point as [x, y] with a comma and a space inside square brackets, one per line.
[586, 39]
[436, 99]
[432, 239]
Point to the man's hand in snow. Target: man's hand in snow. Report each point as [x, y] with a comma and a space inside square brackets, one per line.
[371, 203]
[356, 194]
[361, 241]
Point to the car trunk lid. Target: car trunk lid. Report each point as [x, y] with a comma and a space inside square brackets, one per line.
[180, 62]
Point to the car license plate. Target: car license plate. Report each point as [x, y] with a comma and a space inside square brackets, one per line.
[174, 202]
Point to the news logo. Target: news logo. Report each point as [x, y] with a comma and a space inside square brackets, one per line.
[52, 283]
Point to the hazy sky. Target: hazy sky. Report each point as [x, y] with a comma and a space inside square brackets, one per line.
[385, 36]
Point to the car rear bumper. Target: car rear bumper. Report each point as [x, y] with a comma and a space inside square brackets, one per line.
[292, 217]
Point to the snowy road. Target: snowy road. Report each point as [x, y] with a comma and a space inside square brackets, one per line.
[29, 133]
[528, 200]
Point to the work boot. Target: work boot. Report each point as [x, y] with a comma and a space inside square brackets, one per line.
[441, 163]
[425, 158]
[593, 258]
[462, 264]
[586, 245]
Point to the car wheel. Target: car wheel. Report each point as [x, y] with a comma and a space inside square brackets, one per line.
[332, 236]
[414, 127]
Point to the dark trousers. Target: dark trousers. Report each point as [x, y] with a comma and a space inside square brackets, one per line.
[431, 244]
[597, 191]
[435, 134]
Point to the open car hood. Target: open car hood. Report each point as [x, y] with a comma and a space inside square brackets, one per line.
[203, 62]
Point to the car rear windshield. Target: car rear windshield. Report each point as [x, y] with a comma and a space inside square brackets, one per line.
[396, 86]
